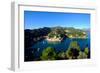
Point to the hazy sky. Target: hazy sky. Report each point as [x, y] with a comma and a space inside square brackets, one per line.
[33, 19]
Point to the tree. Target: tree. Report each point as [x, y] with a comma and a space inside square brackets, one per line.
[82, 55]
[86, 50]
[61, 55]
[48, 54]
[73, 50]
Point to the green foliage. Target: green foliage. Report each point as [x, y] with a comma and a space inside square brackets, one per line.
[51, 35]
[48, 54]
[59, 32]
[73, 50]
[56, 32]
[62, 55]
[82, 55]
[86, 50]
[74, 44]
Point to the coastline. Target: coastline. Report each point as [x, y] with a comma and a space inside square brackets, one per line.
[58, 40]
[53, 39]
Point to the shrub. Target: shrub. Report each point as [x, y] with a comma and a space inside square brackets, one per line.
[48, 54]
[86, 50]
[61, 55]
[73, 50]
[82, 55]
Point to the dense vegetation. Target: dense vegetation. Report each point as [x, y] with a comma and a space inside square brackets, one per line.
[33, 36]
[72, 52]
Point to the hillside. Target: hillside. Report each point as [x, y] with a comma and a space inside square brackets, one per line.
[69, 32]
